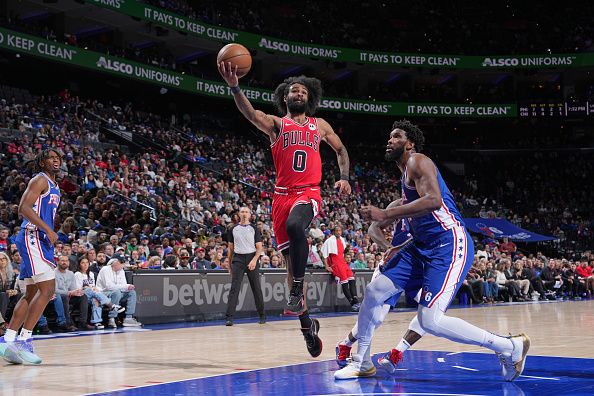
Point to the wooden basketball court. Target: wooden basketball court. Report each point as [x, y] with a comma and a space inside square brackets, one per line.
[77, 365]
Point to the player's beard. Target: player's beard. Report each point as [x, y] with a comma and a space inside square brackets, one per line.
[394, 154]
[294, 107]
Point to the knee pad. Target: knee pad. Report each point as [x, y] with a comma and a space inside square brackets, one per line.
[294, 228]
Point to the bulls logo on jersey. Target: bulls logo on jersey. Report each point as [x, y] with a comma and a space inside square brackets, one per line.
[296, 153]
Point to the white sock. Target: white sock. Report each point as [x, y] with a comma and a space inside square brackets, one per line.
[10, 335]
[25, 334]
[348, 341]
[402, 345]
[498, 343]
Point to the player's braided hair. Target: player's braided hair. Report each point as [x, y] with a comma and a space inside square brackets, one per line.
[314, 89]
[37, 168]
[413, 133]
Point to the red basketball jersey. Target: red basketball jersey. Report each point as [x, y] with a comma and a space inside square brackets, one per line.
[296, 153]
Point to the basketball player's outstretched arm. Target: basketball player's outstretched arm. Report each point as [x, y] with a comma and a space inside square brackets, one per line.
[341, 155]
[422, 172]
[267, 123]
[36, 187]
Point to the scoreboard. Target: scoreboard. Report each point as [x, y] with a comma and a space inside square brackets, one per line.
[558, 109]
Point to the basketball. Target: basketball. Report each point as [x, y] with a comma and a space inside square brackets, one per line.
[238, 55]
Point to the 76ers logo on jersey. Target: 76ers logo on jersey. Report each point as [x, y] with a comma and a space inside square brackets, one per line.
[54, 200]
[426, 294]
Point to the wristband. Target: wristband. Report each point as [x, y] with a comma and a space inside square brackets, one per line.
[235, 90]
[344, 177]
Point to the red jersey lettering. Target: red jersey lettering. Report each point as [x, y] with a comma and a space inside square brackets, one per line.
[296, 153]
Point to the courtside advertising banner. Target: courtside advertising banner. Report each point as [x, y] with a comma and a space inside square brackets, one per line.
[166, 296]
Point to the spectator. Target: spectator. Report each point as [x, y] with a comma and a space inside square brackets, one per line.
[154, 262]
[8, 293]
[265, 261]
[85, 280]
[184, 260]
[359, 263]
[66, 289]
[508, 247]
[551, 278]
[100, 262]
[112, 282]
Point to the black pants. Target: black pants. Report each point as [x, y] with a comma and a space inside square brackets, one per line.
[82, 303]
[239, 266]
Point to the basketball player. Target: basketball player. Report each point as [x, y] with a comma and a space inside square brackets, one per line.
[400, 238]
[295, 142]
[434, 263]
[35, 243]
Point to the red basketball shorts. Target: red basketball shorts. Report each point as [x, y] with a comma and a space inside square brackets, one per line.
[284, 201]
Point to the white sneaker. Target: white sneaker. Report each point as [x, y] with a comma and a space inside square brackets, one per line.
[99, 326]
[355, 369]
[512, 364]
[131, 322]
[118, 308]
[112, 324]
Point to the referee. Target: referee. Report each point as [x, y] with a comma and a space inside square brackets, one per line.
[245, 248]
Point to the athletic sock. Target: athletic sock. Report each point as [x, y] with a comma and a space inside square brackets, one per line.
[403, 345]
[305, 320]
[25, 334]
[349, 341]
[10, 335]
[498, 343]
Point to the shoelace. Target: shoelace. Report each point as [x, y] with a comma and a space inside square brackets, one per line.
[505, 361]
[26, 346]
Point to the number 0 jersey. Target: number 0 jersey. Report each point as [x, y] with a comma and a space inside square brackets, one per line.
[296, 154]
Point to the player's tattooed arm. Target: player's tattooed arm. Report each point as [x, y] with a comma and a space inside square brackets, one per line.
[341, 155]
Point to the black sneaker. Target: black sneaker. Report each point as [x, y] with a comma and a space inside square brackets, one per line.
[296, 301]
[312, 341]
[262, 319]
[229, 322]
[45, 330]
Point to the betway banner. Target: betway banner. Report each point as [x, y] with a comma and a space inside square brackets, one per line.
[166, 296]
[95, 61]
[196, 28]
